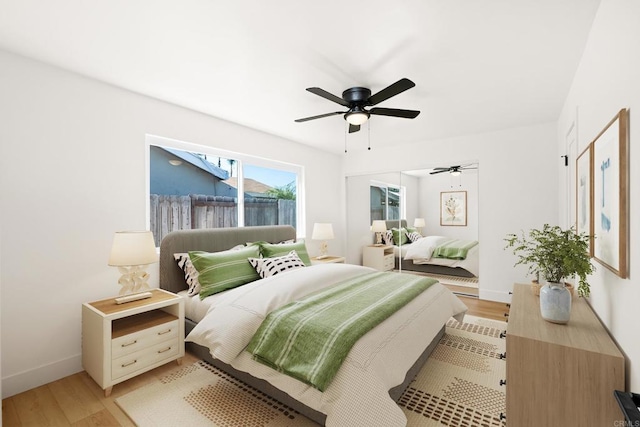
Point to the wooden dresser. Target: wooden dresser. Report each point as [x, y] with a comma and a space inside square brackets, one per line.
[560, 375]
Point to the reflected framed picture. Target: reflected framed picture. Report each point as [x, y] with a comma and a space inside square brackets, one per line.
[610, 179]
[584, 194]
[453, 208]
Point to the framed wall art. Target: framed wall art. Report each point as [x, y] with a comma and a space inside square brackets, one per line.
[610, 186]
[584, 194]
[453, 208]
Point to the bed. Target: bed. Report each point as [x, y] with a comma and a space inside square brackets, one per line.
[468, 267]
[370, 380]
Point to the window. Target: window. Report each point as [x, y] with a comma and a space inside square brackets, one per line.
[199, 187]
[387, 201]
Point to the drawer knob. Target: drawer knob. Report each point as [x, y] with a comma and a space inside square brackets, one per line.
[124, 365]
[165, 350]
[503, 382]
[129, 343]
[506, 315]
[503, 334]
[164, 332]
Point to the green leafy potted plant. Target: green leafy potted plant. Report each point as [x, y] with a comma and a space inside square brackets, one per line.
[555, 254]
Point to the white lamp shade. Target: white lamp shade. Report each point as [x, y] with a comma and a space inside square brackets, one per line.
[379, 226]
[322, 231]
[133, 248]
[418, 222]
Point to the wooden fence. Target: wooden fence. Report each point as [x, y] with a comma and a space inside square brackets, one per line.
[171, 213]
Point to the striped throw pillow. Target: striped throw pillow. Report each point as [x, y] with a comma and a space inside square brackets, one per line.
[219, 271]
[270, 250]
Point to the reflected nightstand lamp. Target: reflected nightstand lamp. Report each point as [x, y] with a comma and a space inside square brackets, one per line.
[322, 231]
[131, 251]
[419, 224]
[379, 227]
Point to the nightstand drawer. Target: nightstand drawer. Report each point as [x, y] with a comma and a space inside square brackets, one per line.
[389, 262]
[131, 343]
[144, 358]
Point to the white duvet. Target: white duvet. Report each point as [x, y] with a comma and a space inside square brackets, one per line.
[358, 395]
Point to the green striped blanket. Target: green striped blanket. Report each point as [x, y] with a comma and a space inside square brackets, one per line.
[309, 339]
[454, 249]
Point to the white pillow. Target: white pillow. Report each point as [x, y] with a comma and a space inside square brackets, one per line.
[267, 267]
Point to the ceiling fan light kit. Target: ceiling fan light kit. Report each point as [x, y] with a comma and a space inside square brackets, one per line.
[357, 98]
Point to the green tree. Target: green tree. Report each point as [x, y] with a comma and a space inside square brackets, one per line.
[286, 192]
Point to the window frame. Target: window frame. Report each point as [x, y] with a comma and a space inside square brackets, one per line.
[242, 159]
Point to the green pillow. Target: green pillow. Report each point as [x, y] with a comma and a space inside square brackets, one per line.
[270, 250]
[219, 271]
[399, 236]
[411, 230]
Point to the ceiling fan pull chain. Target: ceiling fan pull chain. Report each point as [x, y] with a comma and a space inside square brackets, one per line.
[345, 136]
[369, 128]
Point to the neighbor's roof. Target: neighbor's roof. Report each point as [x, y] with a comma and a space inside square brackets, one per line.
[199, 162]
[250, 185]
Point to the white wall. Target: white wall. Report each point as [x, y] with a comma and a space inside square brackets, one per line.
[517, 187]
[430, 188]
[72, 168]
[606, 81]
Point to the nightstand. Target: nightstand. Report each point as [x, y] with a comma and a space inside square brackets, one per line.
[328, 260]
[378, 257]
[120, 341]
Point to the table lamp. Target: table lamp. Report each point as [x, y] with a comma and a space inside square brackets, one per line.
[324, 232]
[131, 251]
[419, 224]
[379, 227]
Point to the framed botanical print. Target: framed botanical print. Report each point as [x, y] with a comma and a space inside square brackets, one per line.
[453, 208]
[610, 182]
[584, 194]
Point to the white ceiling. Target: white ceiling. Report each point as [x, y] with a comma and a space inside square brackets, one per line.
[478, 65]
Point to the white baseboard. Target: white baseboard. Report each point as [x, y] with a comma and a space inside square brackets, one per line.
[500, 296]
[23, 381]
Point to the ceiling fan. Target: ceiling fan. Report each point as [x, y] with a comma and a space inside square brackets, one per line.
[357, 98]
[453, 170]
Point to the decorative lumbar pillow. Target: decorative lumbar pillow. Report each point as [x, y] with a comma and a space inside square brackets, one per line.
[190, 273]
[219, 271]
[270, 250]
[267, 267]
[414, 236]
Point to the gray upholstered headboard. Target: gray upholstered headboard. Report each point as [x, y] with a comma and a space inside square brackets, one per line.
[211, 240]
[394, 223]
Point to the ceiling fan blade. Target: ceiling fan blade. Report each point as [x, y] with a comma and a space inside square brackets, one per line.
[395, 112]
[353, 128]
[306, 119]
[439, 171]
[326, 95]
[392, 90]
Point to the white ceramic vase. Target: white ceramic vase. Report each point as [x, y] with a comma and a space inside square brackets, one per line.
[555, 303]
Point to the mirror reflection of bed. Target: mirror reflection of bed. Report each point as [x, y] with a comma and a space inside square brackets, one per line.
[454, 262]
[418, 194]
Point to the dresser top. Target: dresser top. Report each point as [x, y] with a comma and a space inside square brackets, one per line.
[584, 330]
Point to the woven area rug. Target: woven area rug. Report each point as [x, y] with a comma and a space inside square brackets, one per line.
[458, 386]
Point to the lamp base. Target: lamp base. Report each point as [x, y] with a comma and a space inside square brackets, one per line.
[133, 279]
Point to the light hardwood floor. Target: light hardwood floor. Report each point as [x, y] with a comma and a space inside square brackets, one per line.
[77, 400]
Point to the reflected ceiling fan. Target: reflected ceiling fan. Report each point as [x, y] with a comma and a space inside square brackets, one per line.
[454, 170]
[357, 98]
